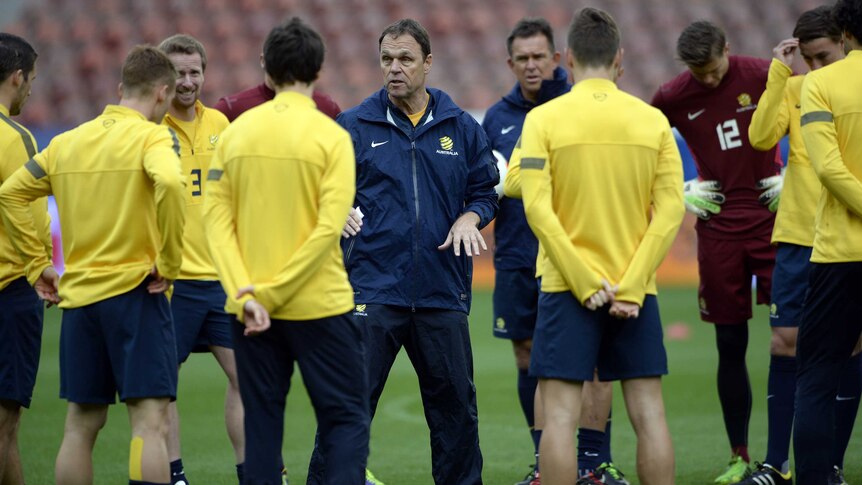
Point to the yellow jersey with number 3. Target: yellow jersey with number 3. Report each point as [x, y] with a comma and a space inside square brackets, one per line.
[197, 146]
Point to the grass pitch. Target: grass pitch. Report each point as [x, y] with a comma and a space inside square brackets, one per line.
[400, 453]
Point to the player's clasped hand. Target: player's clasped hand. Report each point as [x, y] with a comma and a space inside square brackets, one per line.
[464, 231]
[771, 187]
[47, 286]
[158, 284]
[603, 296]
[255, 316]
[703, 197]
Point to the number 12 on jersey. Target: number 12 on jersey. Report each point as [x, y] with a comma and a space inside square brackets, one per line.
[728, 134]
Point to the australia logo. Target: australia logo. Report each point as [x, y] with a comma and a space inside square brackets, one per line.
[213, 139]
[745, 103]
[447, 145]
[360, 311]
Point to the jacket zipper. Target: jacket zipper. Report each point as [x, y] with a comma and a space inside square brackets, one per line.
[416, 228]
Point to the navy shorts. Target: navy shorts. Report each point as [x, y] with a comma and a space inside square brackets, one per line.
[726, 267]
[122, 345]
[571, 341]
[516, 302]
[21, 313]
[789, 284]
[199, 317]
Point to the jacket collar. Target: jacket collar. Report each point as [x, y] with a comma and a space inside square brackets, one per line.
[551, 88]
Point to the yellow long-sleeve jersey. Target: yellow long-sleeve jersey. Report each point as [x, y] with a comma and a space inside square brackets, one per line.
[831, 127]
[197, 147]
[512, 189]
[778, 113]
[602, 184]
[17, 146]
[279, 190]
[119, 193]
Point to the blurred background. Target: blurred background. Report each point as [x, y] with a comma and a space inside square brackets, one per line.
[82, 44]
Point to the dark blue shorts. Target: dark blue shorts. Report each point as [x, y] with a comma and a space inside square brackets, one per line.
[199, 317]
[789, 284]
[20, 341]
[123, 345]
[571, 342]
[516, 301]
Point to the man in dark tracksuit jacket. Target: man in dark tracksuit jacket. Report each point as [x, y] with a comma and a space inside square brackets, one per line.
[425, 184]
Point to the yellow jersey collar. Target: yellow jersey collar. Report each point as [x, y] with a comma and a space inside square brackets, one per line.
[294, 98]
[595, 83]
[117, 110]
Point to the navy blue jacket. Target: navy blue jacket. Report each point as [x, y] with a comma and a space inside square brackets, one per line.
[515, 245]
[412, 184]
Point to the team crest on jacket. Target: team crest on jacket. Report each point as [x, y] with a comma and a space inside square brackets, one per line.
[213, 140]
[360, 311]
[447, 144]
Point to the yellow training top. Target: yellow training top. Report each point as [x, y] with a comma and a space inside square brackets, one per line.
[119, 193]
[602, 184]
[196, 151]
[831, 127]
[279, 190]
[16, 147]
[512, 189]
[777, 114]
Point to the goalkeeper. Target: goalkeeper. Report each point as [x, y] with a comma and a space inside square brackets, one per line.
[711, 104]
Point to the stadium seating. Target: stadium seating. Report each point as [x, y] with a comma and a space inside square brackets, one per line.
[82, 42]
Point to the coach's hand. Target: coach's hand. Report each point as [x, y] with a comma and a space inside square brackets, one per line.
[47, 286]
[465, 231]
[624, 310]
[255, 316]
[702, 197]
[602, 297]
[771, 187]
[158, 284]
[354, 223]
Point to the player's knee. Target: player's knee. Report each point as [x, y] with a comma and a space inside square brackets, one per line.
[783, 342]
[523, 350]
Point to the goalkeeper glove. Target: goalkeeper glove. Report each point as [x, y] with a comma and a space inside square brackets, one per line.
[503, 168]
[771, 187]
[702, 197]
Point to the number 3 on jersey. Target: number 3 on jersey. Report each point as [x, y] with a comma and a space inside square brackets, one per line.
[728, 134]
[196, 182]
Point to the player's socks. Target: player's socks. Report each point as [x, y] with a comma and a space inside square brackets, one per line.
[178, 474]
[734, 387]
[589, 446]
[537, 438]
[780, 405]
[240, 471]
[527, 395]
[846, 407]
[605, 450]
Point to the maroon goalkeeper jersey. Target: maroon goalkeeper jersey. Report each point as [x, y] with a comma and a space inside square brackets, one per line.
[714, 123]
[238, 103]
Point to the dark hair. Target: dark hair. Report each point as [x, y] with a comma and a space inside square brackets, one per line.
[817, 23]
[411, 28]
[529, 27]
[15, 53]
[848, 16]
[700, 43]
[146, 68]
[293, 52]
[594, 38]
[184, 44]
